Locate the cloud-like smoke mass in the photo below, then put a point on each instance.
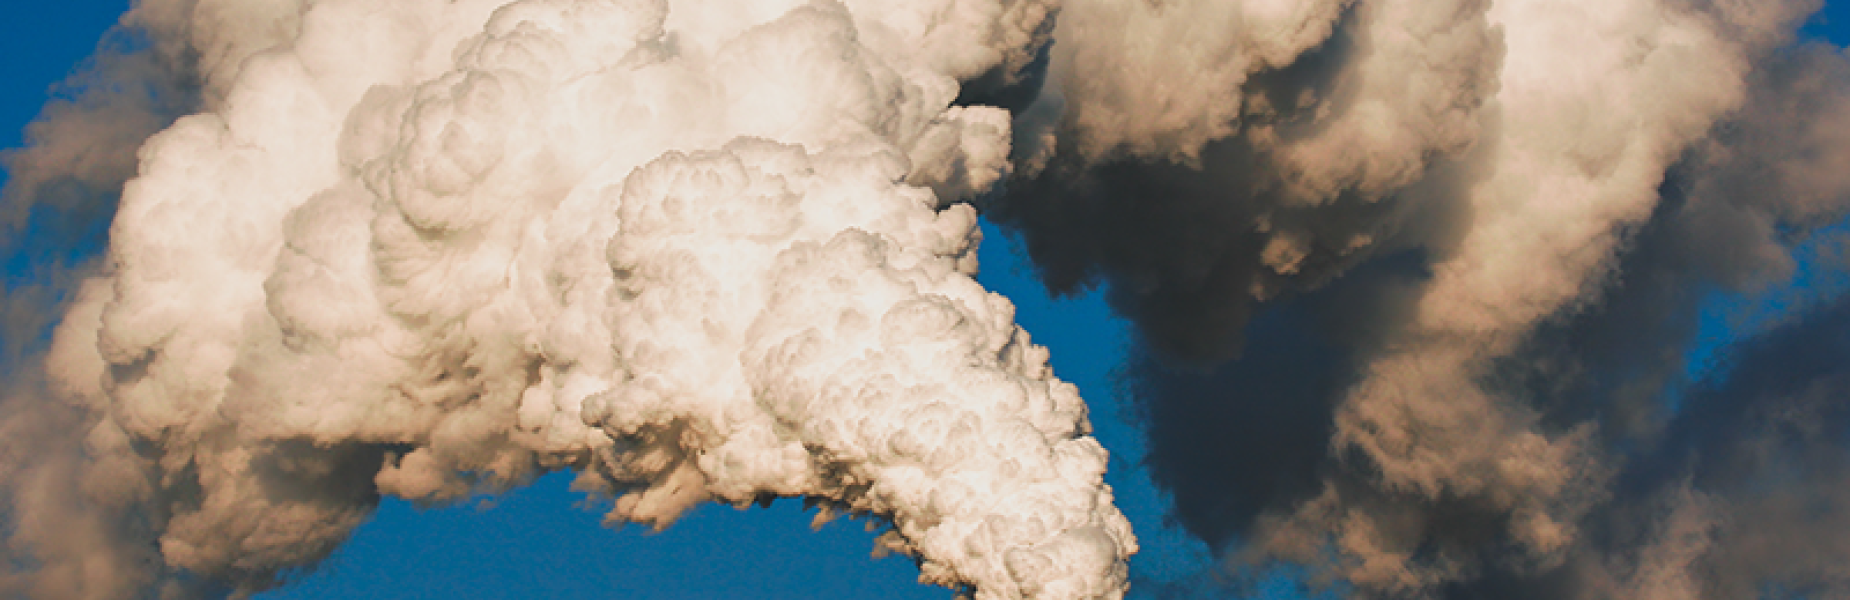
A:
(707, 251)
(1417, 281)
(1417, 284)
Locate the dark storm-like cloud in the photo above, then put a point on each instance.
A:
(1728, 486)
(1471, 421)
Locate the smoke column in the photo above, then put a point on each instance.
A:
(695, 252)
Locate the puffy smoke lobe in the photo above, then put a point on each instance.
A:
(696, 251)
(1477, 237)
(1262, 153)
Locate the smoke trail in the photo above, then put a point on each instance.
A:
(62, 187)
(700, 252)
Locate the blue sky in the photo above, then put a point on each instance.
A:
(545, 541)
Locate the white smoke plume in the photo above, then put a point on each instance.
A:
(696, 251)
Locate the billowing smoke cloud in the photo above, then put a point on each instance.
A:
(1417, 284)
(1747, 455)
(699, 251)
(1477, 238)
(1259, 154)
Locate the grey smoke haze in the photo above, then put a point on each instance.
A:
(1452, 353)
(1414, 282)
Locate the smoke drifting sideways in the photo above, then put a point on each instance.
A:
(1417, 283)
(707, 251)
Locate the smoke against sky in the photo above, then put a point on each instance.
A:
(559, 235)
(1424, 294)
